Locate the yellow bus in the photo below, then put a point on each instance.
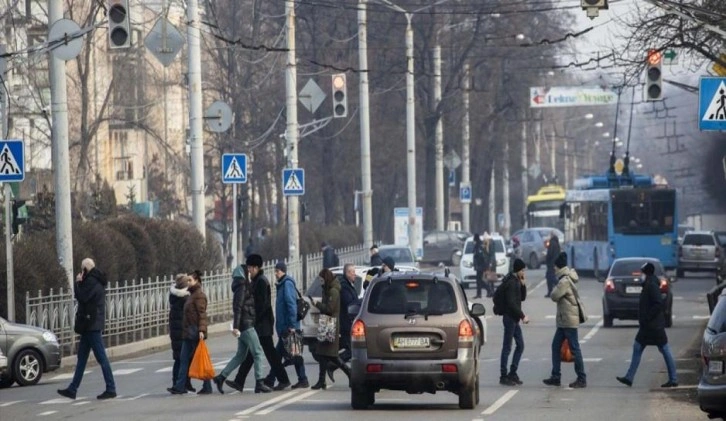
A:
(543, 208)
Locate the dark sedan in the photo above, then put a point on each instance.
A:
(621, 292)
(712, 387)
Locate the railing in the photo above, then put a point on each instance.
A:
(139, 309)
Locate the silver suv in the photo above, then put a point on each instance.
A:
(700, 251)
(415, 333)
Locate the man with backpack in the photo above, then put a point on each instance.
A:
(508, 304)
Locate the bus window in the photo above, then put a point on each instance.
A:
(588, 221)
(643, 211)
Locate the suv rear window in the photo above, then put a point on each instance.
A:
(717, 322)
(698, 240)
(498, 246)
(402, 254)
(402, 296)
(631, 268)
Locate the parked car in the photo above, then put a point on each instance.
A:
(712, 386)
(402, 255)
(3, 363)
(442, 246)
(467, 272)
(700, 251)
(621, 290)
(532, 244)
(416, 333)
(30, 352)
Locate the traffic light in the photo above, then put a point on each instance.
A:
(340, 96)
(593, 7)
(654, 76)
(19, 216)
(119, 32)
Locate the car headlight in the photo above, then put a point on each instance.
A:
(466, 263)
(49, 337)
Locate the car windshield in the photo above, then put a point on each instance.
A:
(411, 296)
(717, 322)
(399, 254)
(498, 246)
(632, 268)
(698, 240)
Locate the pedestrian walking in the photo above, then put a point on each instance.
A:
(568, 320)
(264, 326)
(376, 259)
(330, 258)
(243, 328)
(514, 291)
(327, 352)
(348, 297)
(287, 322)
(194, 325)
(90, 292)
(553, 250)
(651, 321)
(177, 297)
(480, 264)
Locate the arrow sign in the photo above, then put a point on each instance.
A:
(670, 57)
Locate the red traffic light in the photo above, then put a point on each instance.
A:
(655, 57)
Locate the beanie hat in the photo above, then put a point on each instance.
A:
(254, 260)
(648, 268)
(388, 261)
(561, 260)
(281, 266)
(518, 265)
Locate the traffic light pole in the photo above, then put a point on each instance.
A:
(291, 132)
(365, 131)
(195, 117)
(5, 108)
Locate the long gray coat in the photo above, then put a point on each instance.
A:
(330, 305)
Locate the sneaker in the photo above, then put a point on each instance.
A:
(106, 395)
(669, 384)
(302, 384)
(515, 378)
(578, 384)
(552, 381)
(281, 386)
(219, 381)
(506, 381)
(67, 393)
(234, 385)
(625, 381)
(174, 391)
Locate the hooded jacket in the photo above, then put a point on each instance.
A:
(286, 306)
(568, 315)
(330, 305)
(651, 314)
(243, 304)
(514, 293)
(177, 298)
(195, 313)
(264, 318)
(91, 296)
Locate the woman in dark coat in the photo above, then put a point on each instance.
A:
(327, 352)
(651, 319)
(177, 296)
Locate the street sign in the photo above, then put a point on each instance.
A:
(465, 192)
(567, 96)
(670, 57)
(218, 117)
(293, 182)
(234, 168)
(164, 41)
(712, 104)
(452, 160)
(12, 160)
(64, 40)
(534, 170)
(311, 96)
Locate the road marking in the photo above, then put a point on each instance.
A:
(542, 282)
(695, 317)
(81, 403)
(165, 370)
(499, 402)
(592, 332)
(46, 413)
(288, 402)
(2, 405)
(550, 316)
(125, 371)
(267, 402)
(592, 360)
(68, 376)
(134, 398)
(57, 401)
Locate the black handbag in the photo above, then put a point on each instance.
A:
(302, 306)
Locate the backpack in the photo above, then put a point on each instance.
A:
(500, 299)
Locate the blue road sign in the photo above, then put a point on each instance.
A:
(465, 192)
(293, 182)
(712, 104)
(12, 160)
(234, 168)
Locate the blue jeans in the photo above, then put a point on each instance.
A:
(92, 341)
(551, 280)
(571, 334)
(512, 330)
(187, 353)
(667, 356)
(248, 341)
(299, 364)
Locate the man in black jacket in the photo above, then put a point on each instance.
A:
(90, 292)
(264, 325)
(553, 250)
(515, 291)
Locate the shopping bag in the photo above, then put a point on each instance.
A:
(201, 367)
(565, 352)
(293, 343)
(327, 328)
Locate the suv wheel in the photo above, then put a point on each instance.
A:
(467, 396)
(533, 262)
(360, 397)
(27, 367)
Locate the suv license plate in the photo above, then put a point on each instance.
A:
(715, 367)
(633, 290)
(407, 342)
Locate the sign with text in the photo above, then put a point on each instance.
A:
(564, 96)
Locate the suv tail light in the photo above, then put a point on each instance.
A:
(609, 285)
(466, 332)
(663, 285)
(358, 331)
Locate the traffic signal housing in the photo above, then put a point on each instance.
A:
(654, 76)
(593, 7)
(19, 215)
(119, 29)
(340, 96)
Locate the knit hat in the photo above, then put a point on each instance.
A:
(254, 260)
(648, 268)
(281, 266)
(561, 260)
(388, 261)
(518, 265)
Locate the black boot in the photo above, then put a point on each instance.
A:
(261, 387)
(321, 377)
(219, 381)
(344, 368)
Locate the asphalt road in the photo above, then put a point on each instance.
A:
(142, 381)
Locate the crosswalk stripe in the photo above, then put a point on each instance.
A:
(9, 403)
(46, 413)
(267, 402)
(125, 371)
(287, 402)
(165, 370)
(68, 376)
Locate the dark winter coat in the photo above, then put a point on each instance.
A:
(195, 313)
(480, 258)
(177, 298)
(552, 252)
(348, 296)
(376, 260)
(330, 305)
(264, 318)
(243, 304)
(514, 293)
(651, 314)
(90, 293)
(330, 259)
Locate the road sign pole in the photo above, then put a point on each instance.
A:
(196, 117)
(291, 132)
(465, 153)
(234, 226)
(365, 132)
(5, 108)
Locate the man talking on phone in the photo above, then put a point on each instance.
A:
(514, 290)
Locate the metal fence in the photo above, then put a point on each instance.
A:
(139, 309)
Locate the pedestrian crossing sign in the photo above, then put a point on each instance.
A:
(712, 104)
(12, 160)
(293, 182)
(234, 168)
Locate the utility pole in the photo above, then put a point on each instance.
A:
(505, 192)
(291, 132)
(567, 161)
(553, 150)
(439, 141)
(493, 199)
(411, 138)
(465, 154)
(195, 117)
(59, 153)
(365, 131)
(5, 111)
(525, 178)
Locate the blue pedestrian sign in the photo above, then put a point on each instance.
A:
(293, 182)
(712, 104)
(12, 160)
(465, 192)
(234, 168)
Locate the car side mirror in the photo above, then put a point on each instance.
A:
(353, 309)
(478, 310)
